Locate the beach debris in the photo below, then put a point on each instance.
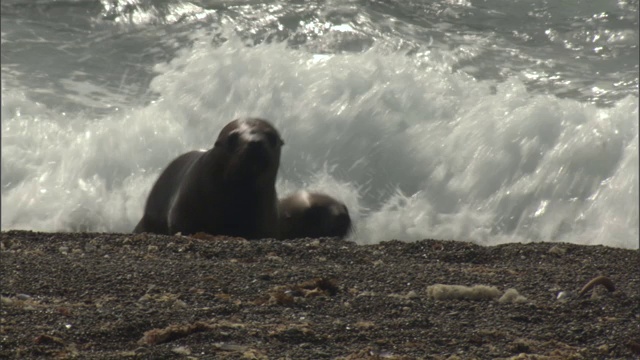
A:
(286, 294)
(294, 333)
(477, 292)
(221, 346)
(461, 292)
(172, 332)
(23, 297)
(49, 340)
(4, 301)
(371, 353)
(557, 250)
(600, 280)
(408, 296)
(90, 247)
(181, 350)
(565, 295)
(364, 325)
(512, 296)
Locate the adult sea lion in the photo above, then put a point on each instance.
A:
(227, 190)
(311, 214)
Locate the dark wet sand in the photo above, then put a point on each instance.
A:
(115, 296)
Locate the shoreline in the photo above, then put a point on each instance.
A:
(105, 295)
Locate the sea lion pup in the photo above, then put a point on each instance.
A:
(227, 190)
(311, 214)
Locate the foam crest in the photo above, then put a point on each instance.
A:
(67, 172)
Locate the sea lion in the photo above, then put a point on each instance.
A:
(311, 214)
(227, 190)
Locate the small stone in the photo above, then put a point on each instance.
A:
(23, 297)
(179, 304)
(64, 249)
(364, 324)
(512, 296)
(557, 250)
(605, 349)
(181, 350)
(5, 301)
(230, 347)
(565, 295)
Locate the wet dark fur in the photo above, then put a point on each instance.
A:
(322, 216)
(227, 190)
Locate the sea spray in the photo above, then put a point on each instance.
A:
(414, 149)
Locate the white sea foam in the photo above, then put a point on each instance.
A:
(414, 150)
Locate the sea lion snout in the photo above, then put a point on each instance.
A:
(257, 155)
(257, 147)
(253, 149)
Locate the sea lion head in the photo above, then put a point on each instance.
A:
(332, 216)
(314, 215)
(251, 147)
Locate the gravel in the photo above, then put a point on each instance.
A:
(143, 296)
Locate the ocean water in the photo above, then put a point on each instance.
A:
(488, 121)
